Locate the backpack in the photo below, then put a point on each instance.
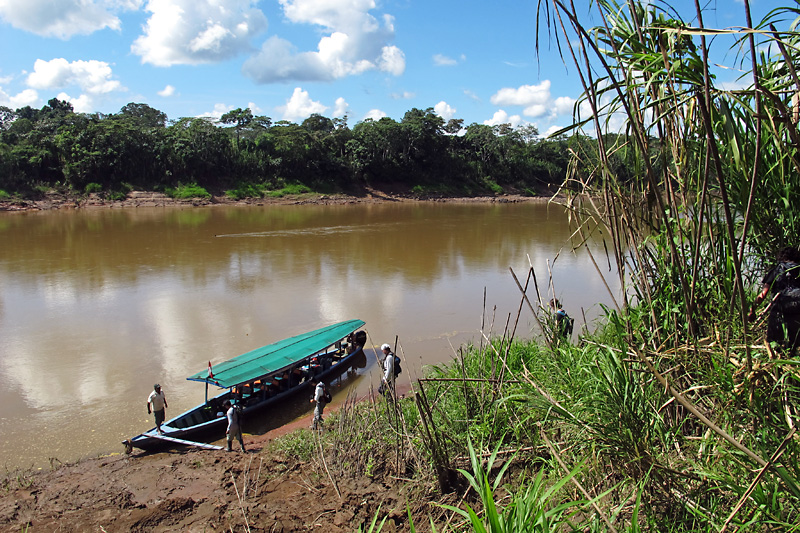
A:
(397, 368)
(326, 397)
(564, 323)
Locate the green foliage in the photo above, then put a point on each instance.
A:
(93, 188)
(297, 444)
(537, 509)
(185, 192)
(4, 195)
(116, 196)
(289, 190)
(246, 190)
(492, 186)
(138, 145)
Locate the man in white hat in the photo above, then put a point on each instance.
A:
(387, 385)
(158, 400)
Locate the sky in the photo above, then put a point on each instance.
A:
(286, 59)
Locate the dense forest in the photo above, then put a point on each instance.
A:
(245, 155)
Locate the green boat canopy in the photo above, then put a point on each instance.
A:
(276, 356)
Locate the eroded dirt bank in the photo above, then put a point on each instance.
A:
(195, 490)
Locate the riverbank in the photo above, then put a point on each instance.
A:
(192, 489)
(57, 200)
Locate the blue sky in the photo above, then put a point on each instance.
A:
(286, 59)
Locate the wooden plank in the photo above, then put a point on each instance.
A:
(185, 442)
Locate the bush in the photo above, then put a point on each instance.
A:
(246, 190)
(292, 188)
(93, 187)
(186, 192)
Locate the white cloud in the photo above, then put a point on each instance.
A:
(341, 107)
(551, 130)
(254, 109)
(219, 110)
(501, 117)
(443, 61)
(536, 110)
(192, 32)
(392, 60)
(300, 106)
(63, 18)
(405, 95)
(167, 91)
(91, 76)
(525, 95)
(353, 42)
(27, 97)
(471, 95)
(536, 100)
(444, 110)
(81, 104)
(564, 105)
(374, 114)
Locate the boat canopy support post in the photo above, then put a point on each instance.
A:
(206, 392)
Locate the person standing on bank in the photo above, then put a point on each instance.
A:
(387, 385)
(234, 430)
(564, 322)
(321, 397)
(783, 281)
(158, 401)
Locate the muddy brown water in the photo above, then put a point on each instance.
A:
(98, 305)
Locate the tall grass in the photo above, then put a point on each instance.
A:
(674, 415)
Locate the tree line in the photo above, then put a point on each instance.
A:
(246, 154)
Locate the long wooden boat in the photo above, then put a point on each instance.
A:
(260, 379)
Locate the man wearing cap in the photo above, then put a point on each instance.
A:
(234, 431)
(321, 398)
(387, 385)
(159, 402)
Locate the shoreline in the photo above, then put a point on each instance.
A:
(192, 489)
(135, 199)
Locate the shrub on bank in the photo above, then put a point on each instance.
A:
(187, 192)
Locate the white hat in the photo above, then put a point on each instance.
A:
(385, 347)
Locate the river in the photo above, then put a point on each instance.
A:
(97, 305)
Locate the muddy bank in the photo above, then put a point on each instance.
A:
(191, 489)
(56, 200)
(195, 490)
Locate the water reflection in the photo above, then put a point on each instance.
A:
(95, 306)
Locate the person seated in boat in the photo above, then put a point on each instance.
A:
(245, 390)
(327, 361)
(296, 377)
(360, 338)
(284, 380)
(215, 406)
(260, 389)
(315, 367)
(274, 388)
